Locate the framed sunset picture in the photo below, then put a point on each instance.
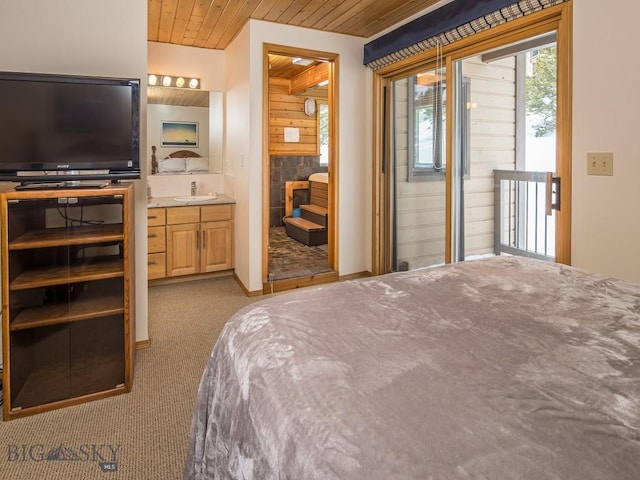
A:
(179, 134)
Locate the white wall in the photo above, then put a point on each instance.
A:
(354, 189)
(85, 37)
(236, 166)
(606, 221)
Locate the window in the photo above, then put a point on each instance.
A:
(426, 126)
(427, 120)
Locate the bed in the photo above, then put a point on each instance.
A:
(498, 368)
(182, 161)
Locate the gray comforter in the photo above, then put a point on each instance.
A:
(493, 369)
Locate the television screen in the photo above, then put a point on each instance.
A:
(65, 126)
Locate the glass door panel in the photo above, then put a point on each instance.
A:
(418, 161)
(504, 145)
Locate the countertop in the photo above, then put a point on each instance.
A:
(156, 202)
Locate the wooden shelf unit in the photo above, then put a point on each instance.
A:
(68, 328)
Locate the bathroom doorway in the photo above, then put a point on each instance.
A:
(300, 168)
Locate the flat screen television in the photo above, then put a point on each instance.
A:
(63, 128)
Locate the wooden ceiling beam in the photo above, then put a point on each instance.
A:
(309, 78)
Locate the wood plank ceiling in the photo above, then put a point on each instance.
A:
(214, 23)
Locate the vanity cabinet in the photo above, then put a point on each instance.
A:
(197, 239)
(156, 243)
(68, 300)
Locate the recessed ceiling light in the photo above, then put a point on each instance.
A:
(301, 61)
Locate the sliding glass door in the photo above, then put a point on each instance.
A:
(418, 104)
(473, 167)
(505, 151)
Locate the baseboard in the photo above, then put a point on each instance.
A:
(299, 282)
(142, 344)
(355, 276)
(189, 278)
(246, 291)
(293, 283)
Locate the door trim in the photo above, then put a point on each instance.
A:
(333, 168)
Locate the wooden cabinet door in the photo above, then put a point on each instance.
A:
(156, 242)
(156, 266)
(183, 249)
(176, 215)
(215, 213)
(217, 251)
(156, 216)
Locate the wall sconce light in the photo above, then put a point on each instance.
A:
(171, 81)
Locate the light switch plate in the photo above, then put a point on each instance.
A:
(600, 163)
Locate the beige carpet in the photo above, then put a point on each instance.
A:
(144, 431)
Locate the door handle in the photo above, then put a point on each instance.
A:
(552, 198)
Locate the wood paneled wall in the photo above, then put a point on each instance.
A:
(286, 110)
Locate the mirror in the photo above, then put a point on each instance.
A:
(195, 116)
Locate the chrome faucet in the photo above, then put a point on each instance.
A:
(193, 189)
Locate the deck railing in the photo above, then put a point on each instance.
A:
(521, 224)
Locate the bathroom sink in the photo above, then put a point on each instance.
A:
(195, 198)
